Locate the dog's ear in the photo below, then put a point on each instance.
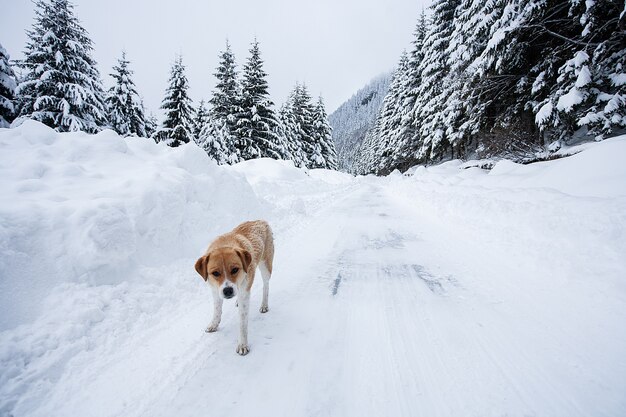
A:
(245, 257)
(201, 266)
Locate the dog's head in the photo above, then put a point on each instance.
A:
(224, 268)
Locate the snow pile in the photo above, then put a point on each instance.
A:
(91, 209)
(593, 170)
(266, 170)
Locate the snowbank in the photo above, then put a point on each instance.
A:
(267, 170)
(597, 170)
(92, 208)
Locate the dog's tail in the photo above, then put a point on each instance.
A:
(269, 246)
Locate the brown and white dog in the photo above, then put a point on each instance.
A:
(229, 265)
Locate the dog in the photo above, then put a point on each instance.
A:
(229, 265)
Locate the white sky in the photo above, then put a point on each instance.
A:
(334, 46)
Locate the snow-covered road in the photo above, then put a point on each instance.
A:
(378, 310)
(449, 293)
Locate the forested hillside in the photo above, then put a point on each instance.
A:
(502, 78)
(354, 118)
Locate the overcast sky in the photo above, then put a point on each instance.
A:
(334, 46)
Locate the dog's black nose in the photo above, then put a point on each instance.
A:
(228, 292)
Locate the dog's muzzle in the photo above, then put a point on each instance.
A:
(228, 292)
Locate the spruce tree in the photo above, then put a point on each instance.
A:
(152, 124)
(302, 108)
(7, 89)
(256, 122)
(62, 87)
(592, 83)
(177, 127)
(434, 71)
(465, 113)
(323, 134)
(288, 130)
(366, 160)
(225, 100)
(200, 120)
(216, 140)
(126, 112)
(384, 140)
(406, 138)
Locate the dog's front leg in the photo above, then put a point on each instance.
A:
(243, 299)
(217, 311)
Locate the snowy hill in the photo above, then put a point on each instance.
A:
(352, 120)
(452, 291)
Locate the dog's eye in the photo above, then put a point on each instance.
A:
(215, 274)
(234, 271)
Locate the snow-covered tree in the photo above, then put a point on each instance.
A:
(177, 128)
(225, 99)
(303, 123)
(434, 73)
(61, 87)
(152, 124)
(380, 145)
(323, 135)
(405, 141)
(216, 140)
(126, 111)
(200, 120)
(7, 89)
(288, 130)
(590, 90)
(256, 121)
(366, 160)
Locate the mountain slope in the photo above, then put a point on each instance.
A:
(352, 120)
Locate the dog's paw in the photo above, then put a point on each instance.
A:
(212, 328)
(264, 309)
(243, 349)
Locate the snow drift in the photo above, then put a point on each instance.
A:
(91, 208)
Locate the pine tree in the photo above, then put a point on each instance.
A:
(200, 120)
(152, 124)
(384, 140)
(434, 73)
(598, 79)
(302, 108)
(288, 130)
(406, 138)
(62, 87)
(177, 127)
(216, 140)
(256, 122)
(126, 112)
(7, 89)
(363, 159)
(225, 101)
(323, 134)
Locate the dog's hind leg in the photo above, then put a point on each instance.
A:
(266, 266)
(266, 274)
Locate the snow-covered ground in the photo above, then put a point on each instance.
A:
(451, 292)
